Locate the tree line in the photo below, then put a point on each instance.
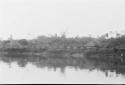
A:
(62, 42)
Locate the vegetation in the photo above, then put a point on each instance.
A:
(62, 42)
(61, 51)
(102, 44)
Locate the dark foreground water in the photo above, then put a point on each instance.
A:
(36, 69)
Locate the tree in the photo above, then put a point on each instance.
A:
(23, 42)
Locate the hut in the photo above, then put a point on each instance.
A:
(90, 45)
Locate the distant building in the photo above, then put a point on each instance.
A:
(90, 45)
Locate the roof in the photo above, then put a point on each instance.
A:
(90, 44)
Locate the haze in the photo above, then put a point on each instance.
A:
(31, 18)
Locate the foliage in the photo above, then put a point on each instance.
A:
(63, 42)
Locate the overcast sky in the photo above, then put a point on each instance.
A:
(30, 18)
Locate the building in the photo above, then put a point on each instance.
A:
(90, 45)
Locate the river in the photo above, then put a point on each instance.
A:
(12, 73)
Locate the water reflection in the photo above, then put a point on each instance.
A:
(32, 74)
(60, 66)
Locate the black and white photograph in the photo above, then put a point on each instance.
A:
(62, 42)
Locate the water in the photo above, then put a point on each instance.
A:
(20, 68)
(13, 73)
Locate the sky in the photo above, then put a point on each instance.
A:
(31, 18)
